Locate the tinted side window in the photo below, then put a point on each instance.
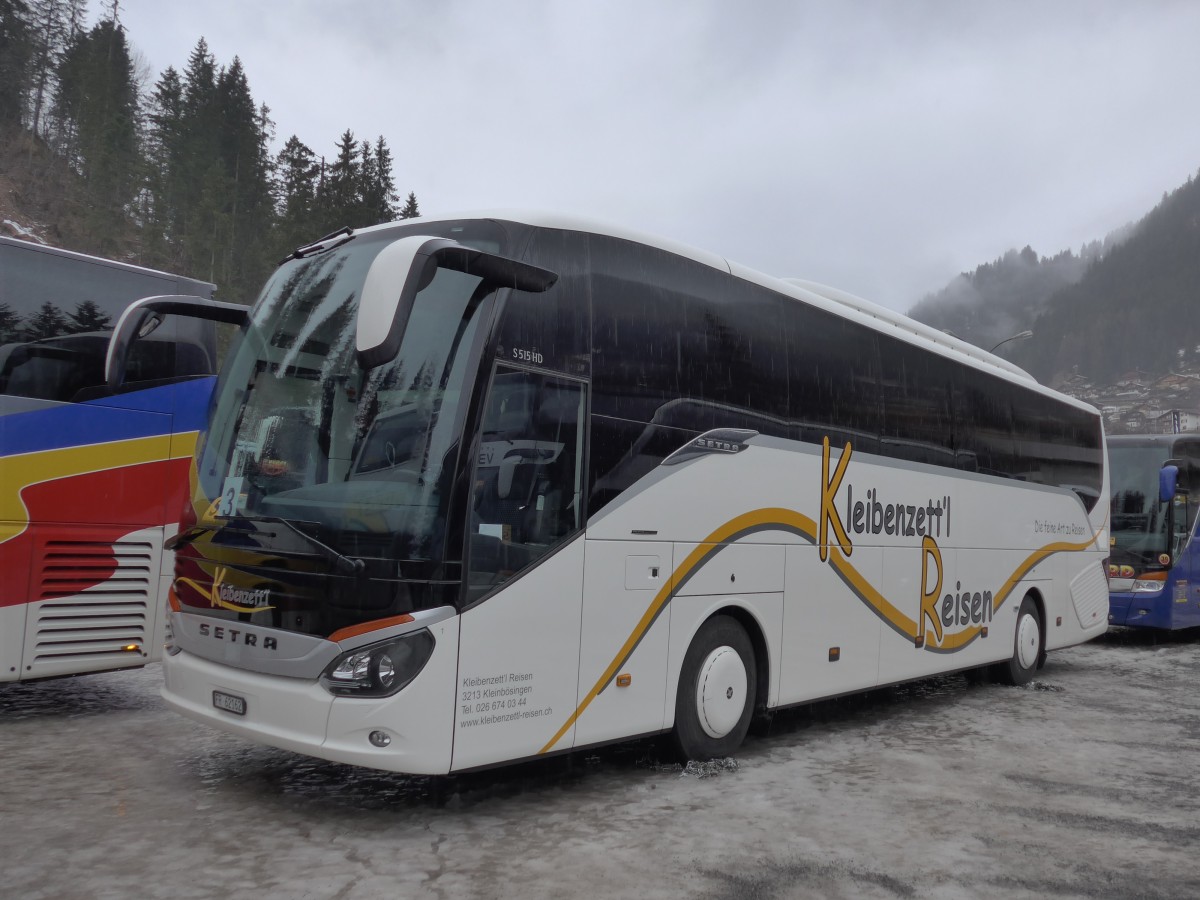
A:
(915, 387)
(734, 356)
(550, 329)
(70, 367)
(53, 368)
(984, 416)
(622, 451)
(680, 343)
(834, 377)
(1057, 444)
(637, 325)
(1012, 432)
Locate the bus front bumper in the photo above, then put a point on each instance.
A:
(1141, 609)
(299, 715)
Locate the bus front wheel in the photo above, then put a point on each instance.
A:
(716, 691)
(1027, 647)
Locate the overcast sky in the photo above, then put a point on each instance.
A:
(880, 147)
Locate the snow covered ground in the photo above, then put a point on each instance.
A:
(1084, 784)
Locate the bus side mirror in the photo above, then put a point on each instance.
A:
(142, 316)
(406, 267)
(1168, 479)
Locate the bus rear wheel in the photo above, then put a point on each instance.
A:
(1027, 646)
(717, 686)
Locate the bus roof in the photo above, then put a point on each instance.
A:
(845, 304)
(99, 260)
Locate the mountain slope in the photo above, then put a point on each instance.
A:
(1129, 302)
(1135, 308)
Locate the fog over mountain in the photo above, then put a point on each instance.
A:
(1123, 302)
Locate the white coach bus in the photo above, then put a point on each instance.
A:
(483, 489)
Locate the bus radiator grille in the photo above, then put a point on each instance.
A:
(90, 627)
(93, 600)
(73, 567)
(1089, 594)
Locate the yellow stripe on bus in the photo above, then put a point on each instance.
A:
(796, 523)
(24, 470)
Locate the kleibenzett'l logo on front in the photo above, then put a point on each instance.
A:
(223, 595)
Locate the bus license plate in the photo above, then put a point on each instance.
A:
(229, 703)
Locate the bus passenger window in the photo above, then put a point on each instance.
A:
(528, 480)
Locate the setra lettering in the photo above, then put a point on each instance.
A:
(237, 636)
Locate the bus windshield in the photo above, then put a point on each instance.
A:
(1139, 521)
(360, 458)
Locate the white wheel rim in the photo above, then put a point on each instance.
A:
(721, 691)
(1028, 641)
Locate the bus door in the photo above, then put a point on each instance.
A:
(1184, 579)
(520, 633)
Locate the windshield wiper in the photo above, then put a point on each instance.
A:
(344, 563)
(191, 533)
(346, 233)
(185, 537)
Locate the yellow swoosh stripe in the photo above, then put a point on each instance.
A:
(24, 470)
(957, 641)
(796, 523)
(784, 519)
(867, 593)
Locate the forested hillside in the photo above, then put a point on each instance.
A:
(1003, 297)
(1126, 303)
(177, 171)
(1137, 308)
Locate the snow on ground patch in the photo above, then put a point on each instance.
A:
(21, 231)
(709, 769)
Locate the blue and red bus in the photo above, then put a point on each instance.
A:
(1154, 565)
(92, 475)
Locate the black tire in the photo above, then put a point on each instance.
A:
(717, 688)
(1027, 647)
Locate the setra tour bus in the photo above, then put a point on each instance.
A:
(92, 475)
(493, 487)
(1154, 562)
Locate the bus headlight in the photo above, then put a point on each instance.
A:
(379, 670)
(1147, 586)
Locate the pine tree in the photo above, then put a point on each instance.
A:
(338, 203)
(96, 102)
(410, 210)
(259, 207)
(381, 201)
(54, 23)
(162, 199)
(197, 175)
(16, 53)
(245, 167)
(10, 324)
(199, 105)
(297, 171)
(48, 322)
(88, 316)
(367, 199)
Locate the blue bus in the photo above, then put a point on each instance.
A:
(93, 474)
(1154, 563)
